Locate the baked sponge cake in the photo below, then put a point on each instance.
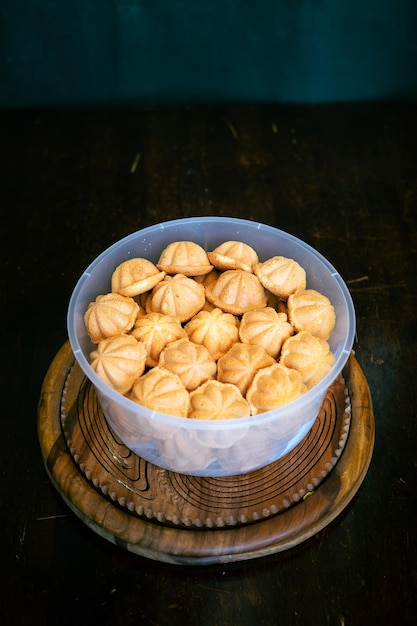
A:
(311, 310)
(309, 355)
(240, 364)
(274, 386)
(214, 400)
(192, 362)
(119, 361)
(265, 327)
(178, 296)
(233, 255)
(215, 330)
(135, 276)
(237, 291)
(184, 257)
(163, 391)
(156, 331)
(281, 276)
(109, 315)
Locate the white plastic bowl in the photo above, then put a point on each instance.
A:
(220, 447)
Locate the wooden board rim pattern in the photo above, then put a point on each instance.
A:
(196, 546)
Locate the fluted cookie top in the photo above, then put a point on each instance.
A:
(179, 296)
(281, 275)
(237, 291)
(135, 276)
(274, 386)
(156, 331)
(240, 364)
(119, 361)
(191, 361)
(184, 257)
(163, 391)
(110, 314)
(265, 327)
(308, 354)
(233, 255)
(215, 400)
(311, 310)
(215, 330)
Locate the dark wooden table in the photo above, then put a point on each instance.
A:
(344, 179)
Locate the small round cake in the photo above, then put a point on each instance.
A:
(135, 276)
(179, 296)
(273, 387)
(156, 331)
(266, 328)
(163, 391)
(240, 364)
(119, 361)
(184, 257)
(233, 255)
(214, 400)
(215, 330)
(236, 292)
(191, 361)
(281, 276)
(309, 355)
(109, 315)
(312, 311)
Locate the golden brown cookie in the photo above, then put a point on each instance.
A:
(163, 391)
(109, 315)
(266, 328)
(273, 387)
(233, 255)
(134, 277)
(184, 257)
(191, 361)
(215, 330)
(119, 361)
(214, 400)
(281, 276)
(179, 296)
(312, 311)
(156, 331)
(236, 292)
(240, 364)
(309, 355)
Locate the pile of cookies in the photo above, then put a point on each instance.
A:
(211, 334)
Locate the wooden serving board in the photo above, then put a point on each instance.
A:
(176, 518)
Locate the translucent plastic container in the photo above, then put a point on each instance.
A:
(219, 447)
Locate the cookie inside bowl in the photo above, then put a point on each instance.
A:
(223, 446)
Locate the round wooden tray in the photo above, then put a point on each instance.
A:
(182, 519)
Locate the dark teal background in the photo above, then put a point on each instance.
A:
(60, 52)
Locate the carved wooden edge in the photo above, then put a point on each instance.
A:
(74, 382)
(168, 544)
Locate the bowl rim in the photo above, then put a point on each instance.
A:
(297, 405)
